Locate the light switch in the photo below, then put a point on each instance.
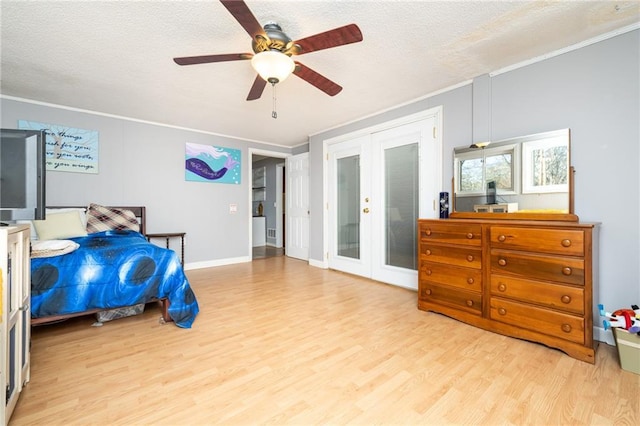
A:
(233, 208)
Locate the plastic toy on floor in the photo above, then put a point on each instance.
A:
(628, 319)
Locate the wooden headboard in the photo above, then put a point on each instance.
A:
(140, 212)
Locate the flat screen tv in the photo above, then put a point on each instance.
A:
(22, 175)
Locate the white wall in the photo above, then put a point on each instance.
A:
(594, 91)
(143, 164)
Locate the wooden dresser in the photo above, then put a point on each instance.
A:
(528, 279)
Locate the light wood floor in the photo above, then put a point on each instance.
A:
(262, 252)
(280, 342)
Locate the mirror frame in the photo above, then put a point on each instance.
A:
(564, 217)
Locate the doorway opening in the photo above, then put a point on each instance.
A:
(266, 203)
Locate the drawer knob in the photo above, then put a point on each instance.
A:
(469, 303)
(428, 291)
(566, 270)
(428, 272)
(470, 258)
(428, 252)
(502, 287)
(428, 232)
(470, 236)
(502, 262)
(566, 328)
(502, 238)
(502, 311)
(566, 299)
(566, 243)
(470, 280)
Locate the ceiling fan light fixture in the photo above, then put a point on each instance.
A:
(272, 65)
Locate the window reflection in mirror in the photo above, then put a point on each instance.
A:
(545, 165)
(476, 168)
(529, 173)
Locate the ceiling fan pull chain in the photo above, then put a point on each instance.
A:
(274, 114)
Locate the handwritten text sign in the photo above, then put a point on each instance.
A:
(68, 149)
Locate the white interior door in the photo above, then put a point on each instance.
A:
(396, 199)
(280, 204)
(379, 185)
(297, 205)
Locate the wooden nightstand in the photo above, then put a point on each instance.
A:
(167, 237)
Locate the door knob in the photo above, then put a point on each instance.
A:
(365, 210)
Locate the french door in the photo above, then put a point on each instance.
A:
(379, 184)
(350, 206)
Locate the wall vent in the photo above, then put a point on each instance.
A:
(271, 233)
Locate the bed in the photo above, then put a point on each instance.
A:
(106, 266)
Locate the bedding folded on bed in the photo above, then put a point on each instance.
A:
(50, 248)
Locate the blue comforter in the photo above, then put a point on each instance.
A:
(110, 270)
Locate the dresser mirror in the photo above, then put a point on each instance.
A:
(528, 177)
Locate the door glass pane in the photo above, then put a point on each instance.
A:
(348, 208)
(401, 205)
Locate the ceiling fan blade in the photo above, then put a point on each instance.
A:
(332, 38)
(192, 60)
(256, 89)
(244, 16)
(317, 80)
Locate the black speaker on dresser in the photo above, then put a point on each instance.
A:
(491, 192)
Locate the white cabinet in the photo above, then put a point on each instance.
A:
(259, 231)
(15, 315)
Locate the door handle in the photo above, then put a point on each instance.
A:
(365, 210)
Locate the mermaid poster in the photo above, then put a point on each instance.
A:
(206, 163)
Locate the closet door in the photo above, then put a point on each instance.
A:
(297, 204)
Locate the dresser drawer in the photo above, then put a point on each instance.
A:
(468, 301)
(451, 233)
(557, 241)
(543, 321)
(451, 255)
(568, 270)
(561, 297)
(464, 278)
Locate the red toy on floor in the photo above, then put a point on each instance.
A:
(628, 319)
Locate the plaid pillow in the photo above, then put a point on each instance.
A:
(100, 218)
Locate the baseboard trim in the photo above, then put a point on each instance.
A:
(602, 335)
(318, 264)
(218, 262)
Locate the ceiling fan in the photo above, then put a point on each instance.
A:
(271, 46)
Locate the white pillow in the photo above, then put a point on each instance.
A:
(60, 225)
(49, 212)
(81, 210)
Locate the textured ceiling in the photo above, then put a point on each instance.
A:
(115, 57)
